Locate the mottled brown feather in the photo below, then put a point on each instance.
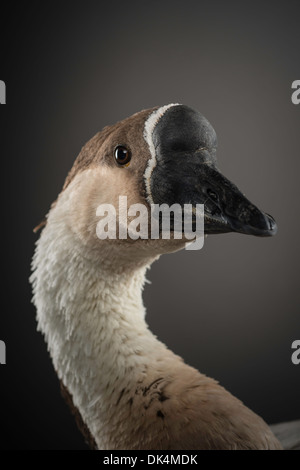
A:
(90, 441)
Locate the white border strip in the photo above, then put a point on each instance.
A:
(148, 131)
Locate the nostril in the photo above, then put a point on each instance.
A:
(213, 195)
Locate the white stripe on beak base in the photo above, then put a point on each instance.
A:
(148, 131)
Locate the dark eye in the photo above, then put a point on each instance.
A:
(122, 155)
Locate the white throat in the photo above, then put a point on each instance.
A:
(93, 322)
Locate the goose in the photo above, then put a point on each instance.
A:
(126, 389)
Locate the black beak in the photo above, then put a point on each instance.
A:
(186, 173)
(226, 209)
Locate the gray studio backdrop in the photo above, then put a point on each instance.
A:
(231, 309)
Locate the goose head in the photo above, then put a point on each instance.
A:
(164, 155)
